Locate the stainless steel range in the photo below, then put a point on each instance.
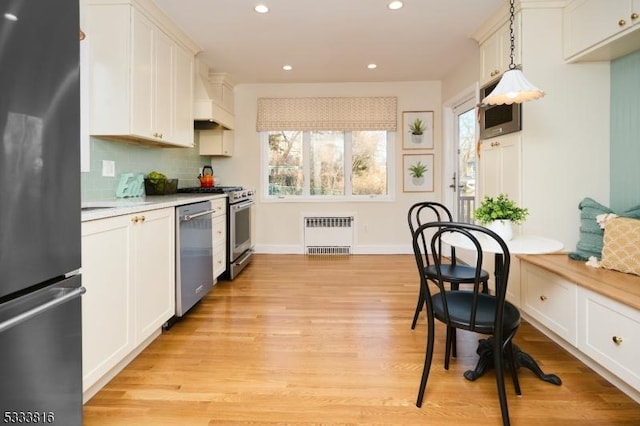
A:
(239, 225)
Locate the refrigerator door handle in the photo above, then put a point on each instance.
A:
(24, 316)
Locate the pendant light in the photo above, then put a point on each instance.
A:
(513, 86)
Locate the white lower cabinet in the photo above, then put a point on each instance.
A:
(602, 332)
(128, 268)
(219, 237)
(609, 333)
(551, 300)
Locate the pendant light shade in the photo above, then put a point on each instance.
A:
(512, 87)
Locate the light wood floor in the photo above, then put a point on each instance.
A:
(327, 340)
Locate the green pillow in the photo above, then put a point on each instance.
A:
(590, 242)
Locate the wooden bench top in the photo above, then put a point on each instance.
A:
(624, 288)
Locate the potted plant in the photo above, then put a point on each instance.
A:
(417, 129)
(499, 213)
(417, 171)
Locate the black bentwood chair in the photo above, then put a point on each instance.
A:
(469, 310)
(454, 273)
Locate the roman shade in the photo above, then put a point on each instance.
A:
(337, 113)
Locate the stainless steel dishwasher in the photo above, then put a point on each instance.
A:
(194, 254)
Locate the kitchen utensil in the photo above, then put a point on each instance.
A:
(206, 179)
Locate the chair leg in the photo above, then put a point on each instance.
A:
(512, 364)
(498, 361)
(419, 306)
(485, 287)
(454, 346)
(427, 360)
(451, 332)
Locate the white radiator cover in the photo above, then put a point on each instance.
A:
(328, 234)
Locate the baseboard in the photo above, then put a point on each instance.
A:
(358, 249)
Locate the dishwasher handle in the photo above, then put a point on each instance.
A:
(189, 217)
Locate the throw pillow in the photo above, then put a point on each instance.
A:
(621, 249)
(590, 242)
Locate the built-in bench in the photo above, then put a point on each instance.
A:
(624, 288)
(594, 313)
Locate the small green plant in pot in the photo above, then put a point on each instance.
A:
(498, 213)
(417, 128)
(417, 171)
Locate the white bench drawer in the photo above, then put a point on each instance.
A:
(551, 300)
(610, 334)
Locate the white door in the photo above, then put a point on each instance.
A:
(463, 179)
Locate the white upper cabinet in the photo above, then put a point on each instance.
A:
(141, 74)
(495, 52)
(600, 30)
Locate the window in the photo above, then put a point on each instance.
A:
(325, 165)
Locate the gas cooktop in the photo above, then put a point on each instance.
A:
(210, 189)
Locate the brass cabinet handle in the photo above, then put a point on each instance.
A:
(543, 298)
(494, 144)
(617, 340)
(622, 23)
(135, 219)
(634, 16)
(142, 218)
(83, 35)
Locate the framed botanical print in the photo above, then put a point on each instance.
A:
(417, 130)
(417, 172)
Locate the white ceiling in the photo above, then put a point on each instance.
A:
(331, 40)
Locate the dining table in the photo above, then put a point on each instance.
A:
(518, 244)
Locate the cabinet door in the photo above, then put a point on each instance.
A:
(163, 120)
(216, 142)
(107, 333)
(183, 111)
(219, 244)
(495, 52)
(142, 75)
(154, 270)
(589, 22)
(500, 168)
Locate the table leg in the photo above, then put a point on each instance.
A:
(522, 359)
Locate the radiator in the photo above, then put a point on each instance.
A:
(328, 235)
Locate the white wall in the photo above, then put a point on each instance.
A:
(565, 138)
(381, 227)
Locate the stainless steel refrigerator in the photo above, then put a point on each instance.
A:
(40, 287)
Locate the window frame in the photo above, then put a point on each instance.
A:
(306, 196)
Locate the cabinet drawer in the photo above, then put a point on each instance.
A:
(610, 334)
(550, 300)
(219, 226)
(219, 261)
(220, 207)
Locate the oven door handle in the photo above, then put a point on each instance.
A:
(242, 205)
(189, 217)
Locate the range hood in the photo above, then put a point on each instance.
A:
(213, 99)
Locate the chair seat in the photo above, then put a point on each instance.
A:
(456, 273)
(460, 303)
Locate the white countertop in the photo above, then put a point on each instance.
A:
(122, 206)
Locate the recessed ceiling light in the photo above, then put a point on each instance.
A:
(261, 8)
(287, 67)
(10, 17)
(372, 66)
(395, 5)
